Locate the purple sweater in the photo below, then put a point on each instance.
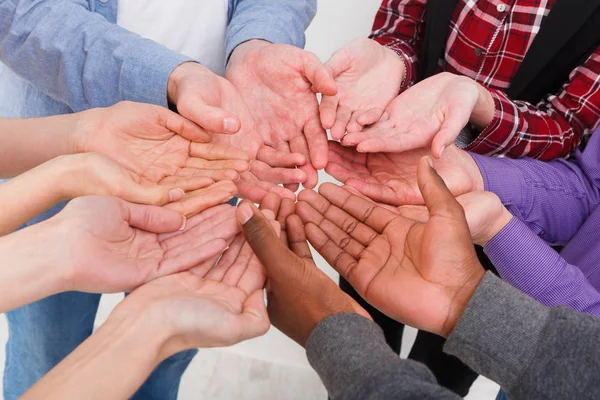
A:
(554, 203)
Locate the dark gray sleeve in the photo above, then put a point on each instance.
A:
(351, 356)
(533, 352)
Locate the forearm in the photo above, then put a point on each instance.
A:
(27, 143)
(529, 264)
(282, 22)
(533, 352)
(30, 270)
(112, 364)
(81, 59)
(553, 199)
(353, 360)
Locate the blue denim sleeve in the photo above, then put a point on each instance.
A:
(553, 199)
(280, 21)
(79, 58)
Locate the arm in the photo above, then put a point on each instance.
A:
(553, 199)
(400, 29)
(533, 352)
(550, 129)
(78, 57)
(282, 22)
(353, 360)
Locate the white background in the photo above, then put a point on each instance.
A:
(273, 367)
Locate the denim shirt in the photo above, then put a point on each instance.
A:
(60, 56)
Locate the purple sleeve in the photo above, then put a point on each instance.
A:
(552, 198)
(530, 265)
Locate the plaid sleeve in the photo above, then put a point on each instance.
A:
(551, 129)
(398, 26)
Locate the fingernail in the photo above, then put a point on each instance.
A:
(430, 162)
(230, 125)
(183, 224)
(244, 213)
(265, 297)
(176, 194)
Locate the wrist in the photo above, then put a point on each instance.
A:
(72, 172)
(496, 225)
(485, 109)
(243, 49)
(400, 63)
(86, 124)
(460, 298)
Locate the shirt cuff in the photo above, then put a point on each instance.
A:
(491, 141)
(146, 71)
(498, 333)
(504, 178)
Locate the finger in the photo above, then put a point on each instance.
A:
(199, 200)
(328, 111)
(152, 194)
(212, 119)
(438, 198)
(254, 320)
(317, 142)
(152, 219)
(227, 260)
(300, 145)
(342, 239)
(202, 164)
(187, 183)
(272, 202)
(340, 260)
(176, 260)
(267, 173)
(341, 122)
(297, 238)
(204, 267)
(366, 212)
(200, 218)
(375, 191)
(318, 74)
(369, 117)
(283, 157)
(416, 213)
(182, 126)
(214, 174)
(213, 151)
(272, 253)
(287, 208)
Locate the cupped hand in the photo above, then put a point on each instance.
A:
(190, 312)
(157, 144)
(420, 274)
(391, 178)
(299, 294)
(430, 114)
(114, 246)
(368, 76)
(279, 82)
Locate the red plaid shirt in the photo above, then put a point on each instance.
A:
(488, 41)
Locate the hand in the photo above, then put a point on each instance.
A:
(420, 274)
(432, 112)
(115, 246)
(368, 76)
(485, 213)
(299, 294)
(391, 178)
(212, 102)
(277, 81)
(189, 312)
(157, 144)
(88, 174)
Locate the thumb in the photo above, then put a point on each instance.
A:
(448, 133)
(263, 239)
(182, 126)
(212, 119)
(153, 219)
(154, 194)
(319, 75)
(254, 320)
(438, 198)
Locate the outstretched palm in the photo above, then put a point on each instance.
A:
(391, 178)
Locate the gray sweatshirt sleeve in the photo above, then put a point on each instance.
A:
(353, 360)
(533, 352)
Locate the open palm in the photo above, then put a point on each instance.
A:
(404, 268)
(391, 178)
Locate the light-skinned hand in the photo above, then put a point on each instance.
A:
(279, 83)
(368, 76)
(419, 274)
(430, 114)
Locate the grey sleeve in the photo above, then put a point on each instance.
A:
(353, 360)
(533, 352)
